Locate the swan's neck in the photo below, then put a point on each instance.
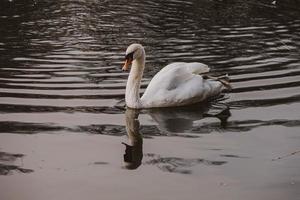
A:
(132, 96)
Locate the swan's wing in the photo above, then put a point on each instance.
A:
(193, 68)
(179, 84)
(196, 68)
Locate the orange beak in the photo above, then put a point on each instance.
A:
(126, 64)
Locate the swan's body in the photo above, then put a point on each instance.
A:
(177, 84)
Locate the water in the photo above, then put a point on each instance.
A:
(62, 95)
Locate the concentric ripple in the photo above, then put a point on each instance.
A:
(61, 60)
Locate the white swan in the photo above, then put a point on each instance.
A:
(177, 84)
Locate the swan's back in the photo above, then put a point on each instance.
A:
(180, 84)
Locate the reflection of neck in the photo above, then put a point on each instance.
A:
(134, 152)
(132, 96)
(133, 126)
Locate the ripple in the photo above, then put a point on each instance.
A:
(64, 59)
(57, 102)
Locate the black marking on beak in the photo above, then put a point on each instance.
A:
(129, 56)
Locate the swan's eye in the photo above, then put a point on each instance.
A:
(129, 56)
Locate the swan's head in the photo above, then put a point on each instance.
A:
(134, 51)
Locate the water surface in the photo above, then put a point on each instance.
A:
(62, 100)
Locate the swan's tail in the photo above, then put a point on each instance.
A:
(224, 79)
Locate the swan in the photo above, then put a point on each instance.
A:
(177, 84)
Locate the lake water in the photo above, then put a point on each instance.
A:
(63, 119)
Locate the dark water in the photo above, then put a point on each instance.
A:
(60, 71)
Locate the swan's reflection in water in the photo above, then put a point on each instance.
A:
(174, 120)
(181, 119)
(134, 151)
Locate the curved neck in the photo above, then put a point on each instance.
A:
(132, 95)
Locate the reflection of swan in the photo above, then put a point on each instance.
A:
(134, 152)
(176, 84)
(174, 120)
(181, 119)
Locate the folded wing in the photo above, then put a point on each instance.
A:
(180, 84)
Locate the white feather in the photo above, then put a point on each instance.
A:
(177, 84)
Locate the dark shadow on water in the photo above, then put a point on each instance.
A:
(264, 102)
(100, 163)
(11, 108)
(164, 127)
(27, 128)
(178, 165)
(244, 126)
(103, 129)
(6, 168)
(232, 156)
